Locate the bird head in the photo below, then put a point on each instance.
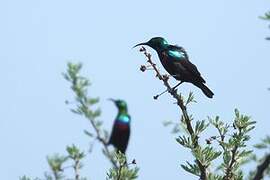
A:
(157, 43)
(120, 104)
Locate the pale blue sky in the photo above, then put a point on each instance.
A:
(225, 39)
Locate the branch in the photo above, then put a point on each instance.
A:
(262, 167)
(79, 86)
(123, 172)
(181, 105)
(76, 168)
(229, 170)
(102, 141)
(119, 172)
(229, 173)
(98, 135)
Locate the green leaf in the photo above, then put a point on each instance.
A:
(191, 168)
(200, 126)
(88, 133)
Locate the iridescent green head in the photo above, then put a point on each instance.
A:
(120, 104)
(157, 43)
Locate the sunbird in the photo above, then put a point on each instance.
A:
(121, 127)
(176, 62)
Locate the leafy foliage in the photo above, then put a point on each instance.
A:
(266, 16)
(56, 164)
(59, 163)
(232, 144)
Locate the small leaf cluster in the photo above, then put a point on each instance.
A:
(79, 86)
(231, 147)
(204, 155)
(124, 172)
(55, 163)
(59, 163)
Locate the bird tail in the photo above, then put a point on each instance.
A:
(205, 90)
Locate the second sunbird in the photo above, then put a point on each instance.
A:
(176, 62)
(121, 127)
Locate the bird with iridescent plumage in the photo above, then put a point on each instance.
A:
(176, 62)
(121, 127)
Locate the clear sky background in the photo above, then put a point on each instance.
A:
(224, 38)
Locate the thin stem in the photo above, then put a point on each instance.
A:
(119, 172)
(100, 138)
(56, 175)
(222, 137)
(79, 86)
(228, 173)
(76, 169)
(182, 107)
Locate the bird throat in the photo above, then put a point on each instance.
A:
(123, 118)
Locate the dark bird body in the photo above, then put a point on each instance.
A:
(176, 62)
(121, 128)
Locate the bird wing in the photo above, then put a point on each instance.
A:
(113, 134)
(185, 64)
(120, 135)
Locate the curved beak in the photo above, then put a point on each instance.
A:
(111, 99)
(140, 44)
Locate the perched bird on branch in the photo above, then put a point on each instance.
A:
(121, 128)
(176, 62)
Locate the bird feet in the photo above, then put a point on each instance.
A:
(172, 90)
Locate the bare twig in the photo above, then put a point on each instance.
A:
(262, 167)
(181, 105)
(76, 169)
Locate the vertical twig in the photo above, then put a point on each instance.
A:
(76, 169)
(119, 172)
(228, 173)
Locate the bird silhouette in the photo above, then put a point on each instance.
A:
(176, 62)
(121, 127)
